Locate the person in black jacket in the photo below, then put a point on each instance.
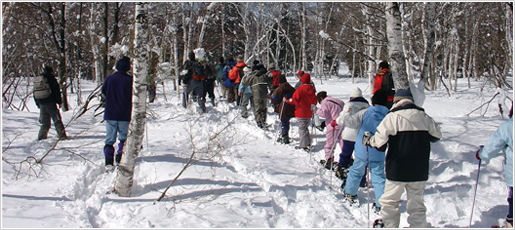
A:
(48, 108)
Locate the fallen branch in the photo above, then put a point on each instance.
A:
(481, 106)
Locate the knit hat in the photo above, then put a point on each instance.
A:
(202, 59)
(255, 62)
(191, 55)
(246, 69)
(380, 97)
(221, 60)
(402, 94)
(124, 64)
(356, 92)
(282, 79)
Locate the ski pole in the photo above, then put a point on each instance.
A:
(279, 118)
(475, 191)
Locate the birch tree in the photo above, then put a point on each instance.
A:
(395, 49)
(125, 175)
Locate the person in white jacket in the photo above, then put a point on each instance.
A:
(502, 141)
(355, 104)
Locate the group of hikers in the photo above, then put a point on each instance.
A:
(389, 137)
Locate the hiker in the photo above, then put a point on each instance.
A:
(47, 100)
(235, 76)
(304, 99)
(407, 132)
(259, 83)
(285, 110)
(219, 76)
(502, 141)
(229, 85)
(274, 74)
(209, 82)
(194, 83)
(330, 109)
(117, 90)
(299, 83)
(356, 103)
(384, 80)
(367, 120)
(246, 94)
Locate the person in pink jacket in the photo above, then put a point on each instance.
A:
(330, 109)
(304, 100)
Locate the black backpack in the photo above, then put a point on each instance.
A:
(199, 72)
(388, 84)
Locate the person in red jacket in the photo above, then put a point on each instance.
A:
(383, 79)
(304, 100)
(274, 74)
(235, 76)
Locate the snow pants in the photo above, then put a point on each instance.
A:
(358, 170)
(330, 136)
(47, 112)
(416, 209)
(196, 88)
(260, 110)
(285, 126)
(510, 205)
(245, 99)
(305, 139)
(346, 154)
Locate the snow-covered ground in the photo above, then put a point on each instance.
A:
(243, 178)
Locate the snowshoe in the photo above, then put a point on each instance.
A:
(307, 149)
(378, 223)
(376, 209)
(341, 172)
(352, 199)
(109, 168)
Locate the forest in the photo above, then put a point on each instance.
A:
(434, 43)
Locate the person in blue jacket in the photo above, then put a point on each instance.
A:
(246, 94)
(117, 90)
(367, 120)
(502, 140)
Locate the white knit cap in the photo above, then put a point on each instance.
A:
(356, 92)
(246, 69)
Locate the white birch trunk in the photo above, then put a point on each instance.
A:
(304, 59)
(371, 70)
(94, 46)
(125, 175)
(429, 38)
(395, 50)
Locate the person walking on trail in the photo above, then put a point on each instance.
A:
(286, 111)
(117, 90)
(235, 76)
(194, 83)
(274, 74)
(384, 80)
(246, 94)
(228, 83)
(356, 103)
(502, 142)
(209, 82)
(330, 109)
(299, 83)
(407, 131)
(219, 77)
(47, 103)
(259, 83)
(304, 100)
(367, 120)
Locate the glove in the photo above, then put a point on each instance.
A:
(313, 108)
(366, 139)
(477, 153)
(334, 124)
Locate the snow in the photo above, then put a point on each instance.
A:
(242, 178)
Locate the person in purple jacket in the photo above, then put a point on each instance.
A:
(117, 91)
(330, 109)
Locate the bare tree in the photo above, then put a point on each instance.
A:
(395, 50)
(124, 177)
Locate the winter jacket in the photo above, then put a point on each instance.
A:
(242, 89)
(55, 98)
(355, 105)
(366, 120)
(299, 83)
(227, 82)
(303, 98)
(378, 82)
(330, 109)
(188, 65)
(117, 89)
(408, 132)
(276, 75)
(285, 110)
(501, 140)
(258, 82)
(219, 72)
(239, 67)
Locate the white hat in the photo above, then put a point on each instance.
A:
(356, 92)
(246, 69)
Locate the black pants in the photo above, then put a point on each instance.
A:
(47, 112)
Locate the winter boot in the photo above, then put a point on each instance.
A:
(351, 198)
(109, 154)
(286, 139)
(341, 172)
(378, 223)
(376, 209)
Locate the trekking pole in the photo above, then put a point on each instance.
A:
(279, 118)
(475, 191)
(368, 182)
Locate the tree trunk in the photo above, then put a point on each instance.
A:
(395, 50)
(304, 59)
(125, 175)
(429, 37)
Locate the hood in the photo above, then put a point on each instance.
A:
(378, 112)
(408, 110)
(305, 79)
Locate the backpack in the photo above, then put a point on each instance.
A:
(41, 88)
(225, 71)
(199, 72)
(235, 73)
(388, 84)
